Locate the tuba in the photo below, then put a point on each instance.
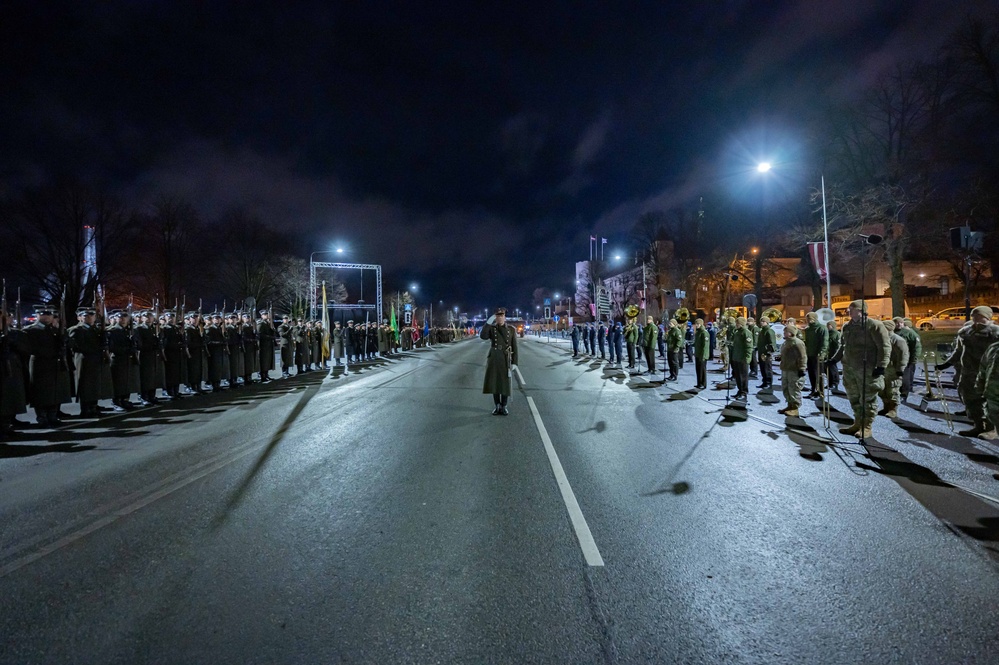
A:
(773, 315)
(682, 315)
(732, 313)
(825, 316)
(631, 311)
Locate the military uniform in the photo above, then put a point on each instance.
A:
(650, 338)
(631, 335)
(172, 343)
(602, 339)
(817, 346)
(338, 338)
(88, 353)
(702, 349)
(766, 346)
(286, 333)
(13, 388)
(674, 349)
(866, 353)
(973, 340)
(44, 343)
(266, 338)
(617, 343)
(835, 355)
(500, 361)
(574, 336)
(195, 338)
(148, 345)
(234, 350)
(740, 343)
(904, 329)
(793, 365)
(987, 382)
(121, 346)
(893, 372)
(216, 345)
(251, 348)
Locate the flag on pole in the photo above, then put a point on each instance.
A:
(393, 324)
(326, 327)
(426, 326)
(817, 251)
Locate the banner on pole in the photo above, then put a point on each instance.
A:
(817, 251)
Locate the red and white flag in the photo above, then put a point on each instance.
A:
(817, 250)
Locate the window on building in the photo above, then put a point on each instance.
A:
(944, 286)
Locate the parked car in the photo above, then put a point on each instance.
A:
(951, 318)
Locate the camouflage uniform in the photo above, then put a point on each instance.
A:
(793, 364)
(973, 340)
(893, 372)
(866, 353)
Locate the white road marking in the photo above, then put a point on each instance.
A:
(583, 535)
(520, 378)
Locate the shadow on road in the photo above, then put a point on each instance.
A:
(13, 450)
(237, 494)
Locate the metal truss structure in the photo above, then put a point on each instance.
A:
(314, 286)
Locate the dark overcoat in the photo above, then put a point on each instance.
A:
(501, 358)
(85, 343)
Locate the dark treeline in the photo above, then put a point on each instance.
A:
(163, 252)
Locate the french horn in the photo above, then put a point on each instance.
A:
(773, 315)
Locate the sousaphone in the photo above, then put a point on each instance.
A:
(631, 311)
(773, 315)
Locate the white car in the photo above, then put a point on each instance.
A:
(951, 318)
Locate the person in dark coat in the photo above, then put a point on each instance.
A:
(286, 332)
(44, 343)
(85, 344)
(148, 345)
(266, 338)
(592, 331)
(123, 359)
(251, 347)
(172, 343)
(501, 361)
(574, 336)
(617, 339)
(702, 347)
(234, 348)
(338, 338)
(602, 339)
(195, 352)
(349, 340)
(215, 342)
(13, 393)
(372, 339)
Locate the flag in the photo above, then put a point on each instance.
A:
(593, 238)
(426, 326)
(326, 327)
(817, 250)
(393, 324)
(603, 241)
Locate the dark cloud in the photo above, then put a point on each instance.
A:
(474, 148)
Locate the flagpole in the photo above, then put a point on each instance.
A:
(825, 233)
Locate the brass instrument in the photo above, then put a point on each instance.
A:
(773, 315)
(632, 311)
(732, 313)
(682, 315)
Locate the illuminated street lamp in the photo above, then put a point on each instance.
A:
(763, 167)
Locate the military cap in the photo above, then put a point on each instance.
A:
(983, 310)
(350, 322)
(86, 311)
(908, 321)
(190, 315)
(232, 315)
(859, 304)
(889, 325)
(168, 312)
(264, 311)
(44, 310)
(500, 310)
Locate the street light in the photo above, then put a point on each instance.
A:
(764, 167)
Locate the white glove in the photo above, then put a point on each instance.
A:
(491, 320)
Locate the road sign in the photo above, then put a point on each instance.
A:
(548, 301)
(408, 307)
(555, 318)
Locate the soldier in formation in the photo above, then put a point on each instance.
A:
(702, 349)
(766, 341)
(866, 354)
(740, 345)
(973, 339)
(793, 365)
(817, 346)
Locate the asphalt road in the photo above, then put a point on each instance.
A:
(387, 517)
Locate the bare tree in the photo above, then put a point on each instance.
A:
(173, 247)
(57, 229)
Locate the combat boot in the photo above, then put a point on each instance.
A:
(791, 413)
(891, 413)
(978, 428)
(864, 433)
(850, 429)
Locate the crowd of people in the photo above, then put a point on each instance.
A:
(866, 360)
(162, 355)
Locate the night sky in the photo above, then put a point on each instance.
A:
(471, 150)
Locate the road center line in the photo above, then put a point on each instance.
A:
(520, 377)
(583, 535)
